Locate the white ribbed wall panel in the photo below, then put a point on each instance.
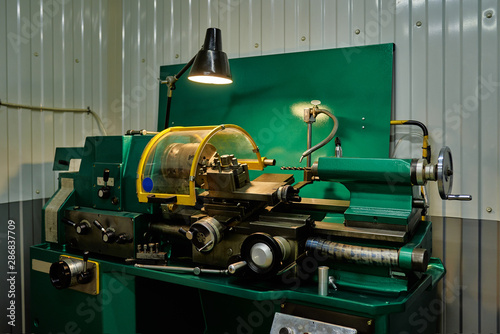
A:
(446, 75)
(53, 54)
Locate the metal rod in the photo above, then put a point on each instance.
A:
(309, 142)
(323, 281)
(183, 270)
(167, 112)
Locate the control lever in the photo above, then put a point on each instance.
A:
(81, 228)
(104, 192)
(123, 238)
(108, 235)
(237, 266)
(84, 277)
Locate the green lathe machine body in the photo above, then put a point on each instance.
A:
(182, 230)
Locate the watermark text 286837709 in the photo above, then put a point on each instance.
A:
(11, 272)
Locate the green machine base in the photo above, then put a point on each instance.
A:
(136, 300)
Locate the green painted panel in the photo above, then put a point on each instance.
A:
(269, 94)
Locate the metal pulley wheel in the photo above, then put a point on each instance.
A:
(445, 172)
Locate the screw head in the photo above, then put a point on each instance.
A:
(77, 60)
(177, 55)
(489, 14)
(35, 54)
(286, 330)
(418, 24)
(357, 31)
(489, 209)
(303, 38)
(256, 45)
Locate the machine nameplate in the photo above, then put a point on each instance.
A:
(292, 324)
(40, 266)
(100, 181)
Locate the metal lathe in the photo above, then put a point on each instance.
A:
(200, 228)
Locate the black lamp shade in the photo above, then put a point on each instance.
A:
(211, 65)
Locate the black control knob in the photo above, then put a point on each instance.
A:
(81, 228)
(104, 192)
(108, 235)
(123, 239)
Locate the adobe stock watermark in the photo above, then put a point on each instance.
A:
(136, 96)
(226, 7)
(375, 22)
(11, 273)
(292, 279)
(31, 27)
(458, 112)
(88, 310)
(427, 315)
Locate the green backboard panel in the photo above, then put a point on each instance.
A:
(269, 94)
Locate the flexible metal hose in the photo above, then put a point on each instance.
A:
(327, 139)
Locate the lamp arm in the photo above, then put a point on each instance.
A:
(185, 68)
(170, 82)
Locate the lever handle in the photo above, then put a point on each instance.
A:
(105, 175)
(237, 266)
(459, 197)
(85, 259)
(99, 226)
(84, 277)
(69, 222)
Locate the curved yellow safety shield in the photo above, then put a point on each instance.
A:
(172, 162)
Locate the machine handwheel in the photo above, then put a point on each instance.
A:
(445, 172)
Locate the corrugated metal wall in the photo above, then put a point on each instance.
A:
(446, 75)
(53, 54)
